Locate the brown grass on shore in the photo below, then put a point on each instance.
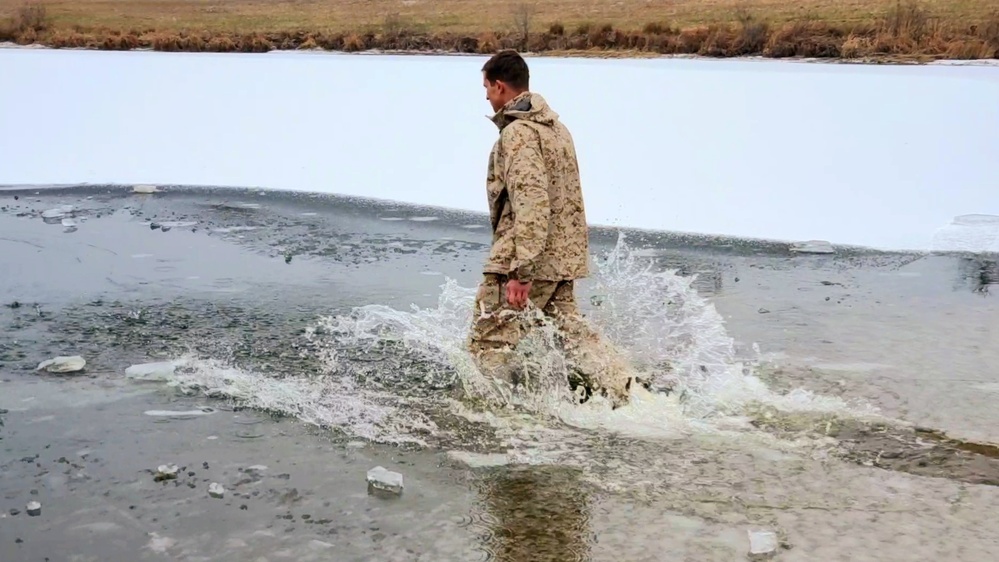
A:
(900, 30)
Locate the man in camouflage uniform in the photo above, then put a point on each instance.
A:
(540, 243)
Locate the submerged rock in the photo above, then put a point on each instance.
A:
(385, 481)
(762, 545)
(216, 490)
(63, 364)
(34, 509)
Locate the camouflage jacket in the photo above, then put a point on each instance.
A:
(535, 197)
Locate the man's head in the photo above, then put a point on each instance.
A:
(505, 76)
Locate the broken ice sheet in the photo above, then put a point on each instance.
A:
(160, 371)
(812, 247)
(384, 481)
(216, 490)
(63, 364)
(57, 214)
(179, 413)
(166, 472)
(762, 544)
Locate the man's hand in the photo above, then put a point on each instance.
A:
(517, 293)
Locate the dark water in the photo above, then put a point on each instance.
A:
(913, 334)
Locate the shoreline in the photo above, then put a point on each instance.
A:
(894, 33)
(915, 59)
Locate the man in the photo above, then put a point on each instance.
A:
(540, 240)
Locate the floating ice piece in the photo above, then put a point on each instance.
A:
(34, 509)
(216, 490)
(762, 545)
(968, 233)
(179, 413)
(228, 229)
(166, 472)
(144, 189)
(812, 247)
(478, 460)
(177, 224)
(383, 480)
(159, 372)
(63, 364)
(58, 212)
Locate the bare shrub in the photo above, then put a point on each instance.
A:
(33, 16)
(752, 36)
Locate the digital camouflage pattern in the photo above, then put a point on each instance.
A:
(535, 196)
(539, 235)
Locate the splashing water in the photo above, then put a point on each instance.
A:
(386, 370)
(328, 402)
(655, 317)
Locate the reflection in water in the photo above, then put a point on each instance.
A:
(535, 514)
(980, 274)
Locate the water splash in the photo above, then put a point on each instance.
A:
(655, 317)
(387, 372)
(332, 402)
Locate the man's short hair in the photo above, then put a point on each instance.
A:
(510, 67)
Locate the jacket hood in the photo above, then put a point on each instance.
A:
(528, 106)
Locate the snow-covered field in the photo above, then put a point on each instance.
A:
(881, 156)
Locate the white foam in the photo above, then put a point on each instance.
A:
(329, 401)
(654, 317)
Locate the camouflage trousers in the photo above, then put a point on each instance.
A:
(497, 328)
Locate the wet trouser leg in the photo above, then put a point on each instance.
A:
(601, 366)
(497, 329)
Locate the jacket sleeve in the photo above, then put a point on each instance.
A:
(527, 187)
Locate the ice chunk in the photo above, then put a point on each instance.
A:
(58, 213)
(63, 364)
(144, 189)
(166, 472)
(762, 545)
(160, 372)
(812, 247)
(216, 490)
(34, 509)
(383, 480)
(179, 413)
(968, 233)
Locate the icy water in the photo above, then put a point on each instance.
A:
(841, 401)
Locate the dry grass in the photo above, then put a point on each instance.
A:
(719, 28)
